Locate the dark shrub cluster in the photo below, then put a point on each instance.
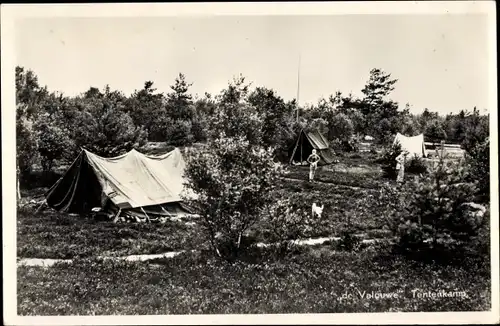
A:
(436, 218)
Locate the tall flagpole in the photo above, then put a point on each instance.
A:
(298, 89)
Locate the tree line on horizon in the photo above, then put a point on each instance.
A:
(52, 127)
(247, 129)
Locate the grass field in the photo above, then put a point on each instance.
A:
(54, 235)
(312, 279)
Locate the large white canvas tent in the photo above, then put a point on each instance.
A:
(415, 145)
(131, 184)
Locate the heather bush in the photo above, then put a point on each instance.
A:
(232, 180)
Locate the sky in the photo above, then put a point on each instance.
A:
(441, 61)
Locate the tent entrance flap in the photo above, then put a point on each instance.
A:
(77, 191)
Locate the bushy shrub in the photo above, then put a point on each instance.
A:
(198, 129)
(350, 145)
(434, 131)
(479, 164)
(387, 160)
(54, 142)
(416, 165)
(436, 216)
(232, 180)
(277, 118)
(384, 130)
(26, 147)
(107, 131)
(39, 179)
(318, 124)
(236, 120)
(340, 127)
(179, 133)
(390, 202)
(475, 130)
(479, 244)
(286, 222)
(283, 152)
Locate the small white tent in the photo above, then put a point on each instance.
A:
(414, 145)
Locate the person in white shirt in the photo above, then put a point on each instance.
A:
(313, 160)
(400, 166)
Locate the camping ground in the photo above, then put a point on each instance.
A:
(310, 279)
(118, 237)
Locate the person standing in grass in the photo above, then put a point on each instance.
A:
(313, 160)
(400, 166)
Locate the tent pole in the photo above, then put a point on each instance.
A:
(18, 188)
(301, 145)
(298, 89)
(147, 216)
(163, 209)
(295, 149)
(40, 207)
(117, 215)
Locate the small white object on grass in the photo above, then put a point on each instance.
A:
(317, 210)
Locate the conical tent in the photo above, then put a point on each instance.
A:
(132, 183)
(306, 142)
(414, 145)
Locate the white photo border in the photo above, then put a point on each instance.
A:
(11, 13)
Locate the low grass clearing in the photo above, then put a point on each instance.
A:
(357, 180)
(313, 280)
(342, 204)
(50, 234)
(355, 170)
